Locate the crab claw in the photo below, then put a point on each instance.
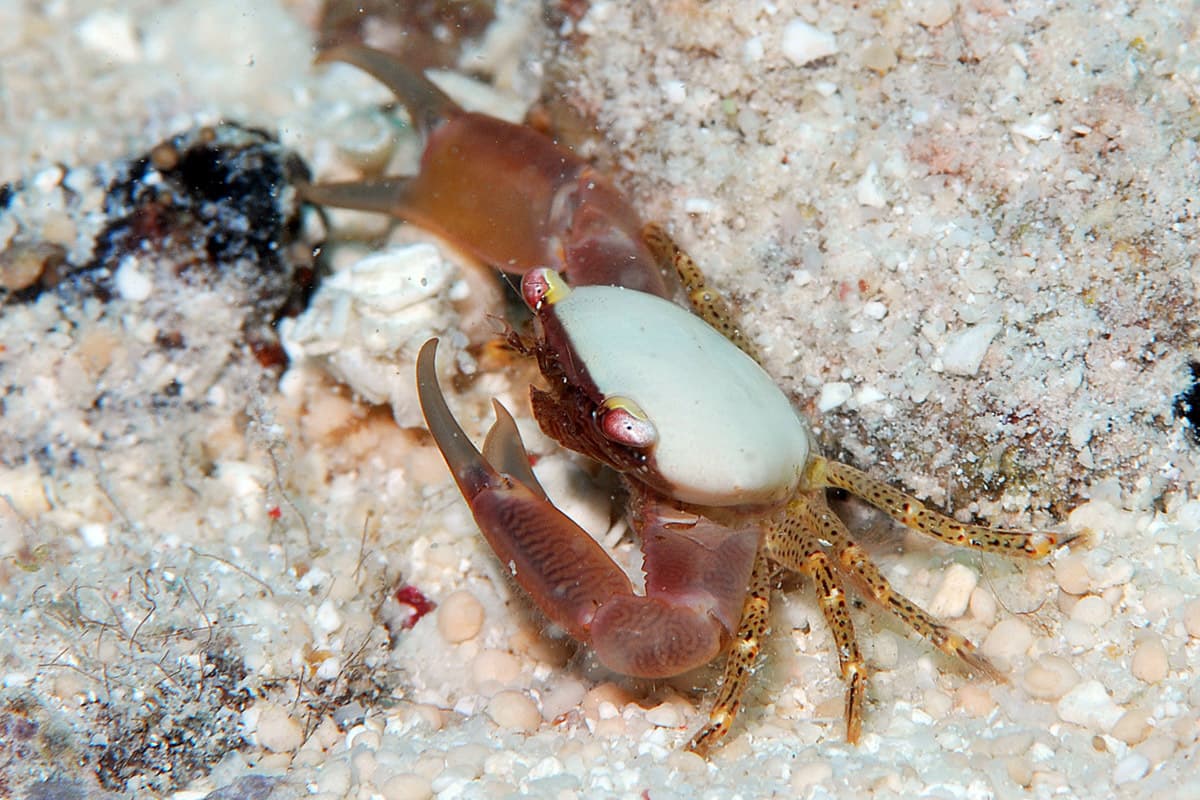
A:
(685, 619)
(563, 569)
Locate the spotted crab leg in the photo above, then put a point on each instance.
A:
(708, 303)
(911, 513)
(696, 570)
(743, 655)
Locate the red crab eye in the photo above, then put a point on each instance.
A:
(542, 285)
(623, 422)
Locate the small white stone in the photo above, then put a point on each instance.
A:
(1050, 678)
(407, 787)
(111, 35)
(276, 730)
(1150, 660)
(875, 310)
(675, 91)
(833, 395)
(1191, 619)
(459, 617)
(327, 618)
(801, 43)
(954, 593)
(1091, 610)
(1071, 572)
(130, 282)
(1009, 640)
(935, 13)
(515, 711)
(963, 352)
(664, 715)
(94, 534)
(1089, 705)
(1035, 130)
(812, 773)
(1131, 768)
(869, 189)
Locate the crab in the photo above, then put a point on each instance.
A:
(725, 486)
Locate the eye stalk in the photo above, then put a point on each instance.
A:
(543, 285)
(623, 421)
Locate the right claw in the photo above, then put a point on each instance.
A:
(566, 572)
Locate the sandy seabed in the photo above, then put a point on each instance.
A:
(964, 234)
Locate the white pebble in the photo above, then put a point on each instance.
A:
(875, 310)
(869, 189)
(407, 787)
(1131, 768)
(1008, 640)
(515, 711)
(664, 715)
(459, 617)
(1133, 726)
(277, 731)
(802, 43)
(111, 35)
(814, 773)
(833, 395)
(1150, 660)
(1050, 678)
(1091, 610)
(954, 593)
(1191, 619)
(130, 282)
(327, 618)
(963, 351)
(495, 665)
(94, 534)
(935, 13)
(1089, 705)
(1071, 572)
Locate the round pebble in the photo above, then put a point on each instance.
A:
(1191, 619)
(1008, 640)
(1050, 678)
(954, 592)
(495, 665)
(1071, 572)
(801, 43)
(1133, 726)
(407, 787)
(1150, 660)
(935, 13)
(983, 606)
(515, 711)
(975, 701)
(814, 773)
(460, 617)
(1091, 610)
(276, 730)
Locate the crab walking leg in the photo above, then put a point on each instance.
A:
(795, 542)
(911, 513)
(739, 663)
(853, 562)
(708, 303)
(693, 583)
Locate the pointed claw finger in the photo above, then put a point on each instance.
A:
(472, 473)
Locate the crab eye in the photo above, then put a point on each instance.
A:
(622, 421)
(543, 285)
